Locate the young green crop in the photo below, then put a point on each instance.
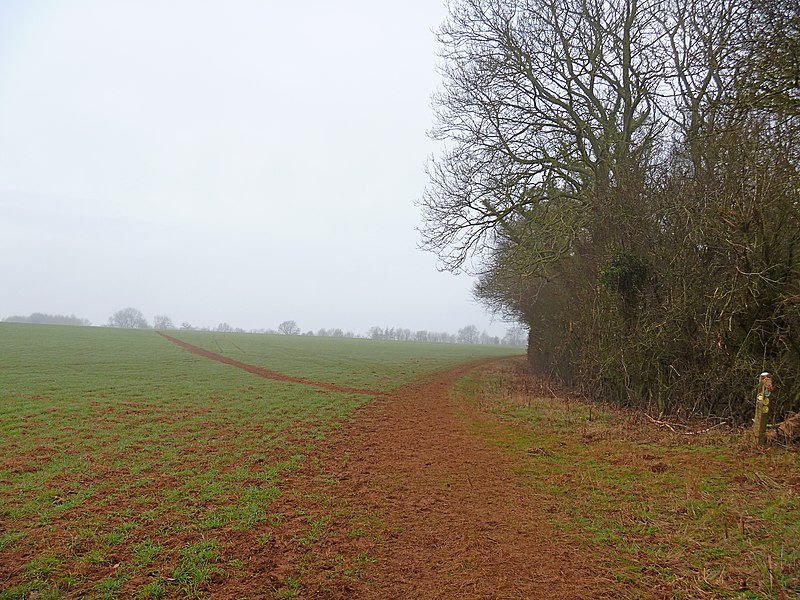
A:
(126, 461)
(368, 364)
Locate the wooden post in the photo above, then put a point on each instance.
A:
(762, 406)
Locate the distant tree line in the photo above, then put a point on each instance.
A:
(133, 318)
(45, 319)
(626, 174)
(334, 332)
(514, 336)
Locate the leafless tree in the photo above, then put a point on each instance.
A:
(289, 328)
(162, 322)
(128, 318)
(468, 335)
(628, 170)
(546, 105)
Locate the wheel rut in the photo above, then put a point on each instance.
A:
(266, 373)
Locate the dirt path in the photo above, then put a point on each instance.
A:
(456, 522)
(450, 518)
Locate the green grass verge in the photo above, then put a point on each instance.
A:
(668, 515)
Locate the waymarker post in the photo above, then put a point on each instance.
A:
(765, 387)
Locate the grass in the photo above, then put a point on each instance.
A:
(669, 515)
(367, 364)
(132, 468)
(198, 564)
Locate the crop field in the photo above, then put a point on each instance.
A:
(130, 467)
(206, 465)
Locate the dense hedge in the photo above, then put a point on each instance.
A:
(626, 175)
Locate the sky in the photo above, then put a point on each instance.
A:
(234, 161)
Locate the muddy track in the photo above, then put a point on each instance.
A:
(459, 522)
(451, 517)
(266, 373)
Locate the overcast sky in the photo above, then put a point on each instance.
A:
(239, 161)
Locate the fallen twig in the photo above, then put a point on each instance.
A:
(671, 426)
(662, 423)
(703, 430)
(773, 579)
(766, 481)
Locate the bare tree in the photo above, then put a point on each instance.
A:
(128, 318)
(468, 335)
(548, 104)
(628, 170)
(289, 328)
(162, 322)
(515, 336)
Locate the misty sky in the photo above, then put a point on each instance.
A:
(238, 161)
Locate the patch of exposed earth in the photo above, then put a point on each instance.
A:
(403, 501)
(414, 505)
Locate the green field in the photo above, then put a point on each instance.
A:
(127, 463)
(357, 363)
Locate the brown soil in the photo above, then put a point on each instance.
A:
(449, 518)
(409, 503)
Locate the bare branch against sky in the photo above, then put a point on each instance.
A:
(247, 161)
